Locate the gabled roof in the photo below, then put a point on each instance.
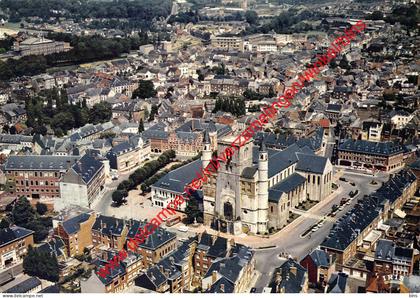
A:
(108, 225)
(72, 225)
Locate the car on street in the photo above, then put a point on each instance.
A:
(342, 179)
(183, 229)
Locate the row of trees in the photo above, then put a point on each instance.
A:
(24, 215)
(53, 109)
(85, 49)
(145, 10)
(235, 106)
(140, 175)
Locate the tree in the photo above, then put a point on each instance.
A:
(5, 223)
(22, 212)
(100, 112)
(145, 90)
(41, 264)
(153, 112)
(193, 211)
(41, 208)
(141, 126)
(118, 197)
(251, 17)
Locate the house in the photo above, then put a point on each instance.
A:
(393, 260)
(173, 273)
(119, 277)
(290, 277)
(338, 284)
(74, 228)
(109, 232)
(350, 230)
(14, 243)
(82, 184)
(319, 266)
(234, 272)
(157, 245)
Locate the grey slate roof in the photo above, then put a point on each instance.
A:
(178, 178)
(72, 225)
(158, 238)
(290, 282)
(87, 167)
(337, 283)
(368, 147)
(311, 163)
(110, 225)
(25, 286)
(365, 211)
(11, 234)
(320, 258)
(40, 162)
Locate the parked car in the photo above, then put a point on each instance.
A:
(183, 229)
(342, 179)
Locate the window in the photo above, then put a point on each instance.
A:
(272, 209)
(319, 178)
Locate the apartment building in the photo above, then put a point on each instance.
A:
(75, 229)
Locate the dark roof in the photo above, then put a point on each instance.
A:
(368, 147)
(40, 162)
(159, 237)
(219, 248)
(87, 167)
(223, 285)
(51, 289)
(333, 107)
(289, 184)
(108, 225)
(311, 163)
(249, 172)
(292, 278)
(177, 179)
(320, 258)
(11, 234)
(337, 283)
(346, 229)
(25, 286)
(72, 225)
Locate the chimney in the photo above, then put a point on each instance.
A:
(331, 259)
(278, 277)
(213, 277)
(293, 270)
(222, 288)
(161, 268)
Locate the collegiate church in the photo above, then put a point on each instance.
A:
(254, 191)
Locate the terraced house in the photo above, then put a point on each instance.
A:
(348, 233)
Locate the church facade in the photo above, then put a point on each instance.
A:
(254, 191)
